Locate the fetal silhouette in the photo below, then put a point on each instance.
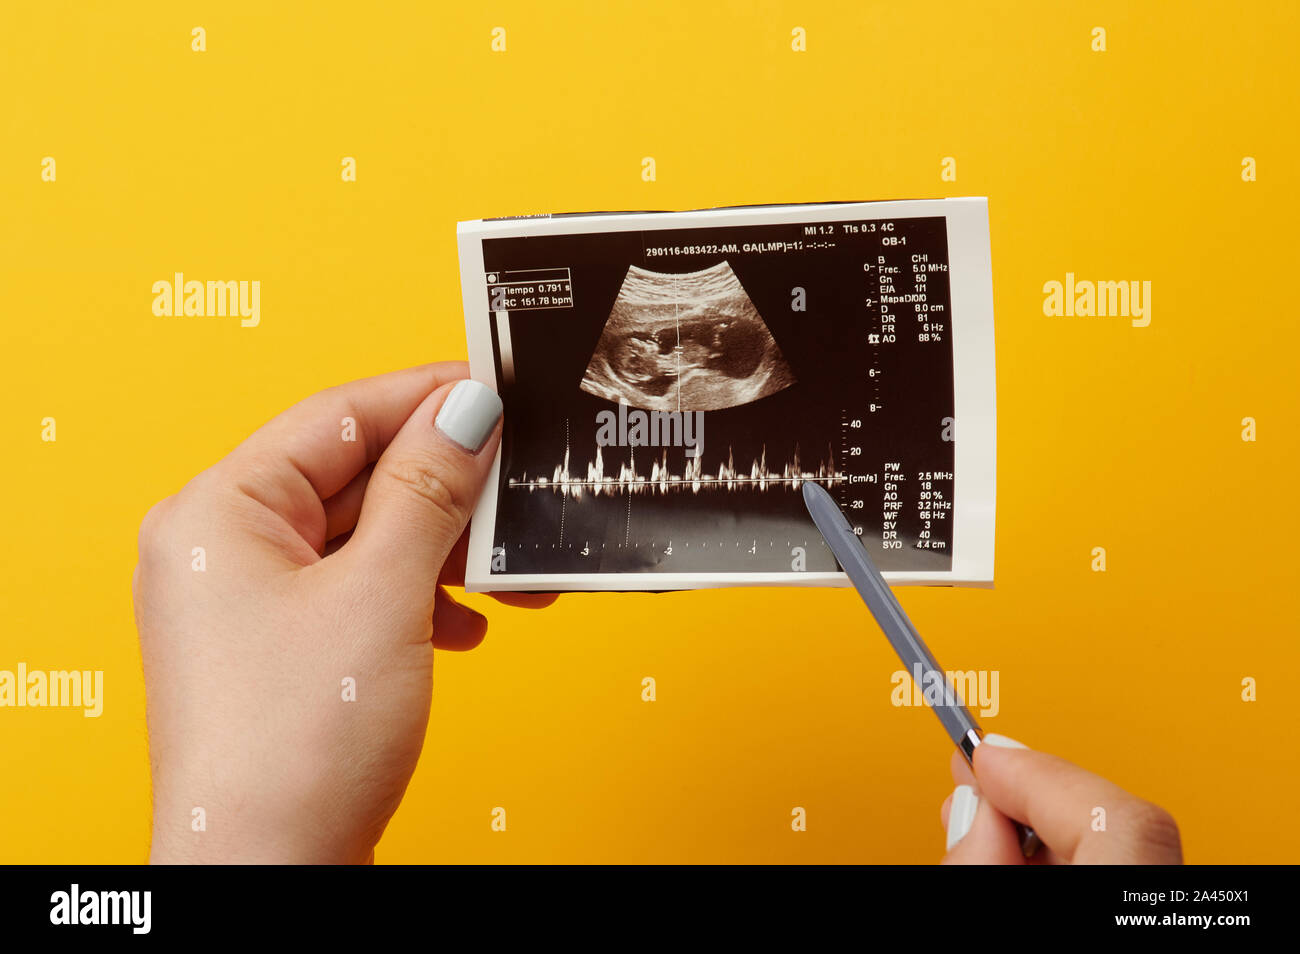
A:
(690, 342)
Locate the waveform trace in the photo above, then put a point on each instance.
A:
(693, 479)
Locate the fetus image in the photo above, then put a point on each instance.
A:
(685, 342)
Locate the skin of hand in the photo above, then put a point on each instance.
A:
(324, 559)
(1059, 801)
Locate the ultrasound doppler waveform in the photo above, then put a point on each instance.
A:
(693, 479)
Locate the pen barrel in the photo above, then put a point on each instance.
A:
(902, 635)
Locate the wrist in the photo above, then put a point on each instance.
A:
(186, 835)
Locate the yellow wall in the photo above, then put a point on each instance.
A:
(1117, 165)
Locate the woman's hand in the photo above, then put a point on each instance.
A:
(1080, 817)
(289, 600)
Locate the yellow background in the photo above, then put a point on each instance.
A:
(1120, 165)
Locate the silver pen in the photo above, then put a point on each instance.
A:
(902, 635)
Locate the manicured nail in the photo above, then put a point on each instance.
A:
(1002, 742)
(468, 414)
(961, 813)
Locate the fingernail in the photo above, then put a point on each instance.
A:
(961, 813)
(1002, 742)
(468, 414)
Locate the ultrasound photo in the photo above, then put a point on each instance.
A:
(671, 381)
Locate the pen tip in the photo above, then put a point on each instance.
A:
(810, 492)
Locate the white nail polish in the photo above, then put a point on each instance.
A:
(468, 414)
(961, 813)
(1002, 742)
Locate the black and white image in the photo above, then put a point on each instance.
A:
(671, 380)
(685, 341)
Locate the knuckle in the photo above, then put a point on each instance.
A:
(1153, 825)
(334, 403)
(423, 477)
(153, 528)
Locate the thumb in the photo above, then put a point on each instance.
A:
(424, 488)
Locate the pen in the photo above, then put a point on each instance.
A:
(902, 635)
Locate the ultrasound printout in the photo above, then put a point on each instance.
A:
(671, 380)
